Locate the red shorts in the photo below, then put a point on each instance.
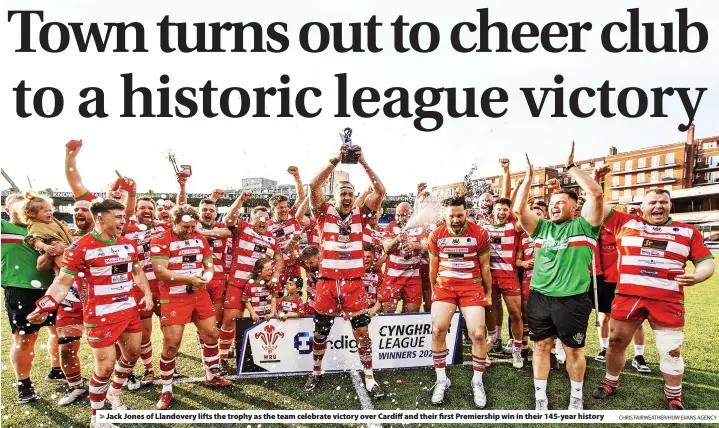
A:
(394, 292)
(462, 296)
(189, 307)
(659, 312)
(216, 289)
(155, 288)
(349, 293)
(507, 286)
(69, 315)
(233, 297)
(106, 335)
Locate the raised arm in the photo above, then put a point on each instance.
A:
(72, 175)
(597, 174)
(528, 220)
(300, 212)
(513, 197)
(182, 194)
(506, 179)
(374, 199)
(231, 216)
(130, 195)
(362, 197)
(317, 197)
(298, 183)
(593, 208)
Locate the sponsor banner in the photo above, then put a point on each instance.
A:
(398, 341)
(447, 416)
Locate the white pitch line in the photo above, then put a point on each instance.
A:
(361, 391)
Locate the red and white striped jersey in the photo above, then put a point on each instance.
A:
(527, 245)
(459, 254)
(290, 304)
(259, 295)
(218, 246)
(311, 279)
(106, 271)
(404, 268)
(371, 281)
(184, 257)
(647, 253)
(505, 240)
(313, 233)
(141, 234)
(341, 242)
(249, 246)
(608, 255)
(430, 227)
(373, 236)
(283, 233)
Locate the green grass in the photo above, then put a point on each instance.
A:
(507, 388)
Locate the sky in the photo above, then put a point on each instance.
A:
(222, 150)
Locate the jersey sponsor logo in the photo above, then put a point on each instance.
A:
(496, 239)
(455, 256)
(657, 236)
(653, 243)
(72, 247)
(189, 259)
(455, 250)
(189, 251)
(189, 265)
(455, 241)
(552, 245)
(120, 298)
(122, 268)
(649, 272)
(260, 249)
(651, 252)
(117, 260)
(120, 278)
(279, 232)
(345, 256)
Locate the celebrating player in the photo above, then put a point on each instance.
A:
(108, 264)
(460, 275)
(252, 241)
(182, 261)
(340, 287)
(653, 253)
(401, 276)
(558, 305)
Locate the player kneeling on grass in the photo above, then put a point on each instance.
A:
(460, 277)
(108, 264)
(653, 252)
(182, 261)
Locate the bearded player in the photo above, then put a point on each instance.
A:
(340, 288)
(218, 236)
(459, 270)
(182, 261)
(653, 253)
(404, 248)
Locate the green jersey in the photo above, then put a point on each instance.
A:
(19, 262)
(562, 257)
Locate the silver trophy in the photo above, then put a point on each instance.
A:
(351, 155)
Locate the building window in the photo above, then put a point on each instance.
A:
(560, 170)
(586, 166)
(617, 166)
(628, 165)
(615, 181)
(709, 145)
(655, 176)
(566, 180)
(599, 163)
(627, 193)
(573, 180)
(641, 177)
(615, 195)
(536, 191)
(628, 180)
(711, 177)
(669, 173)
(655, 161)
(640, 191)
(536, 179)
(669, 159)
(641, 163)
(711, 161)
